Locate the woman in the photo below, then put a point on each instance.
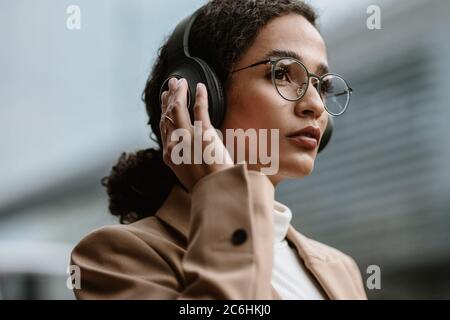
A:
(215, 231)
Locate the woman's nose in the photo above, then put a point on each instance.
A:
(310, 104)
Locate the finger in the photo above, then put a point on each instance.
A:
(171, 89)
(166, 94)
(177, 105)
(201, 106)
(164, 100)
(162, 122)
(164, 128)
(165, 123)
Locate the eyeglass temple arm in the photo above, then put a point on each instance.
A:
(350, 90)
(252, 65)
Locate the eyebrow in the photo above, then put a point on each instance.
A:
(276, 53)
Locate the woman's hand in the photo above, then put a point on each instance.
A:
(175, 115)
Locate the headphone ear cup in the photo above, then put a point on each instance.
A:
(326, 137)
(194, 70)
(216, 98)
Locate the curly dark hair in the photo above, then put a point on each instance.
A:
(222, 33)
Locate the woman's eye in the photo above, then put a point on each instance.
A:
(326, 87)
(281, 74)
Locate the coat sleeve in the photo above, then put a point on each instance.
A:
(229, 253)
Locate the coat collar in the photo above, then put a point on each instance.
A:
(330, 273)
(328, 268)
(175, 211)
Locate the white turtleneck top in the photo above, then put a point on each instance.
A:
(290, 278)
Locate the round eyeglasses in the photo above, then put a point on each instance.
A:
(291, 80)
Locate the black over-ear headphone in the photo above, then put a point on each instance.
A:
(195, 70)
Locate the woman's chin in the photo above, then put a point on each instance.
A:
(301, 165)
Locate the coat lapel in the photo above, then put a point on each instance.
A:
(332, 274)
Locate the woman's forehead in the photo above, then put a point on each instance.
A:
(291, 33)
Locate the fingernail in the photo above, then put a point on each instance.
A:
(172, 83)
(180, 81)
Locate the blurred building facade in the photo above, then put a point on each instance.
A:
(380, 192)
(70, 106)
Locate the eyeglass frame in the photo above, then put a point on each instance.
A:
(274, 61)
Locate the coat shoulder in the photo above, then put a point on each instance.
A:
(135, 229)
(329, 251)
(142, 234)
(128, 262)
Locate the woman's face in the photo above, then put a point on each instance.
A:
(254, 103)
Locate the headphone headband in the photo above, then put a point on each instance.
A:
(179, 41)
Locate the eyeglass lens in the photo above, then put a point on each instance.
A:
(291, 81)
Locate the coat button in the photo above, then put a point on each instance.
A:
(239, 237)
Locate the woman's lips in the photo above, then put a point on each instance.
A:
(304, 141)
(308, 137)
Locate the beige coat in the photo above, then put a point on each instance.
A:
(190, 249)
